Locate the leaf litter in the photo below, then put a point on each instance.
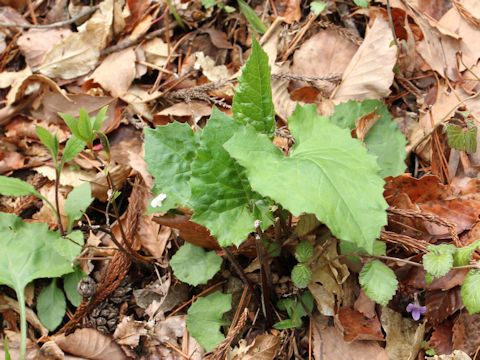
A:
(137, 58)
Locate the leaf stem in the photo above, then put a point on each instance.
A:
(23, 322)
(264, 270)
(57, 205)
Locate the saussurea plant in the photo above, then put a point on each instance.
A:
(31, 250)
(232, 176)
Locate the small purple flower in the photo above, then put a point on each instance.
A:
(416, 310)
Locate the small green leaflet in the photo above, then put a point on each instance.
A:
(51, 306)
(383, 140)
(301, 275)
(378, 282)
(362, 3)
(303, 251)
(327, 173)
(317, 7)
(222, 198)
(252, 103)
(462, 255)
(439, 260)
(169, 152)
(205, 317)
(251, 17)
(460, 139)
(70, 283)
(78, 200)
(295, 311)
(193, 265)
(471, 291)
(208, 3)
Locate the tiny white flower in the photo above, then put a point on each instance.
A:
(157, 202)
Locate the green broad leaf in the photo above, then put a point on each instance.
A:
(84, 126)
(98, 120)
(471, 291)
(442, 248)
(169, 152)
(317, 7)
(460, 139)
(27, 254)
(222, 198)
(70, 246)
(383, 140)
(304, 251)
(15, 187)
(327, 173)
(362, 3)
(50, 141)
(205, 317)
(438, 263)
(193, 265)
(294, 307)
(378, 281)
(301, 275)
(208, 3)
(73, 147)
(78, 200)
(51, 306)
(347, 247)
(462, 255)
(70, 283)
(251, 17)
(429, 278)
(252, 103)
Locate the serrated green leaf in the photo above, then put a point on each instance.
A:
(362, 3)
(50, 141)
(205, 317)
(169, 152)
(383, 140)
(317, 7)
(251, 17)
(471, 137)
(78, 200)
(462, 255)
(51, 306)
(301, 275)
(438, 263)
(193, 265)
(378, 282)
(303, 251)
(442, 248)
(252, 103)
(84, 126)
(330, 174)
(222, 198)
(429, 278)
(72, 123)
(471, 291)
(73, 147)
(70, 283)
(98, 120)
(460, 139)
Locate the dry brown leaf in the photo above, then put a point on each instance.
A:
(193, 109)
(264, 347)
(128, 332)
(370, 72)
(365, 305)
(325, 53)
(156, 51)
(330, 345)
(365, 123)
(289, 10)
(116, 73)
(89, 343)
(35, 43)
(356, 326)
(466, 332)
(79, 53)
(210, 70)
(404, 336)
(7, 303)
